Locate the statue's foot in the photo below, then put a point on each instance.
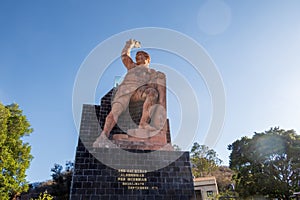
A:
(147, 127)
(100, 141)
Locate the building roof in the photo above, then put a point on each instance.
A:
(208, 178)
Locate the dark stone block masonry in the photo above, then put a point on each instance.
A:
(94, 180)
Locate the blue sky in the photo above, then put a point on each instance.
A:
(254, 45)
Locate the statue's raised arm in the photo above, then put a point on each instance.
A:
(126, 58)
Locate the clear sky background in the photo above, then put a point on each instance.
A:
(254, 44)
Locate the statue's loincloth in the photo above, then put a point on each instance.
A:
(136, 79)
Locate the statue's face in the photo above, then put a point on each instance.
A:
(141, 59)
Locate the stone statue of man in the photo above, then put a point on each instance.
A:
(140, 84)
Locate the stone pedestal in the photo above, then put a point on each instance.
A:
(127, 178)
(129, 167)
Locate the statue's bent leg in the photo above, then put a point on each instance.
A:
(110, 122)
(151, 99)
(112, 118)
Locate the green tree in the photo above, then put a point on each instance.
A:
(267, 164)
(204, 160)
(44, 196)
(223, 176)
(62, 180)
(15, 155)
